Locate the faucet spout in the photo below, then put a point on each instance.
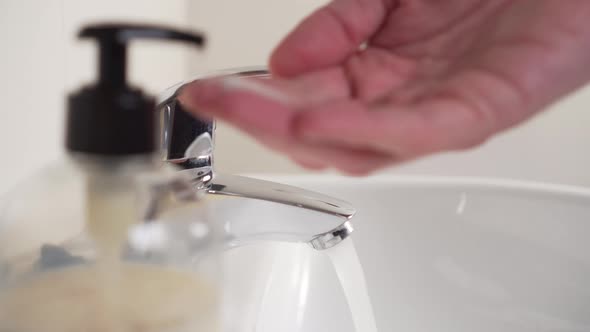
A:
(313, 218)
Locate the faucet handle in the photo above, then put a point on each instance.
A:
(188, 141)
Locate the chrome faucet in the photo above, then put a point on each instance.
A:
(189, 143)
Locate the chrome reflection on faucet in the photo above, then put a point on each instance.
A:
(189, 143)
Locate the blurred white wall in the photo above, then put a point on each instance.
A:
(41, 60)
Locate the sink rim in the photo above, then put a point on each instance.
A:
(475, 182)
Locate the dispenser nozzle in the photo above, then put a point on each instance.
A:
(113, 40)
(109, 117)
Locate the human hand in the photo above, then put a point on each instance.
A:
(431, 76)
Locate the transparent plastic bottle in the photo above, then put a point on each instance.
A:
(119, 247)
(112, 239)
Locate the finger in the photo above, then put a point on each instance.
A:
(407, 132)
(307, 164)
(329, 36)
(262, 104)
(249, 107)
(346, 159)
(265, 111)
(314, 88)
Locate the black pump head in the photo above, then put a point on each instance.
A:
(110, 117)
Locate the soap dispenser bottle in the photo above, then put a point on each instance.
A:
(112, 239)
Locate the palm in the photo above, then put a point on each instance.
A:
(436, 75)
(479, 57)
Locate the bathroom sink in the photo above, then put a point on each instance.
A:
(439, 255)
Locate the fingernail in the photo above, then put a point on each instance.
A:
(308, 136)
(301, 130)
(207, 94)
(233, 83)
(201, 94)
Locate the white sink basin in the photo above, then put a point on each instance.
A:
(440, 255)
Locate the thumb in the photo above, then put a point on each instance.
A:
(329, 36)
